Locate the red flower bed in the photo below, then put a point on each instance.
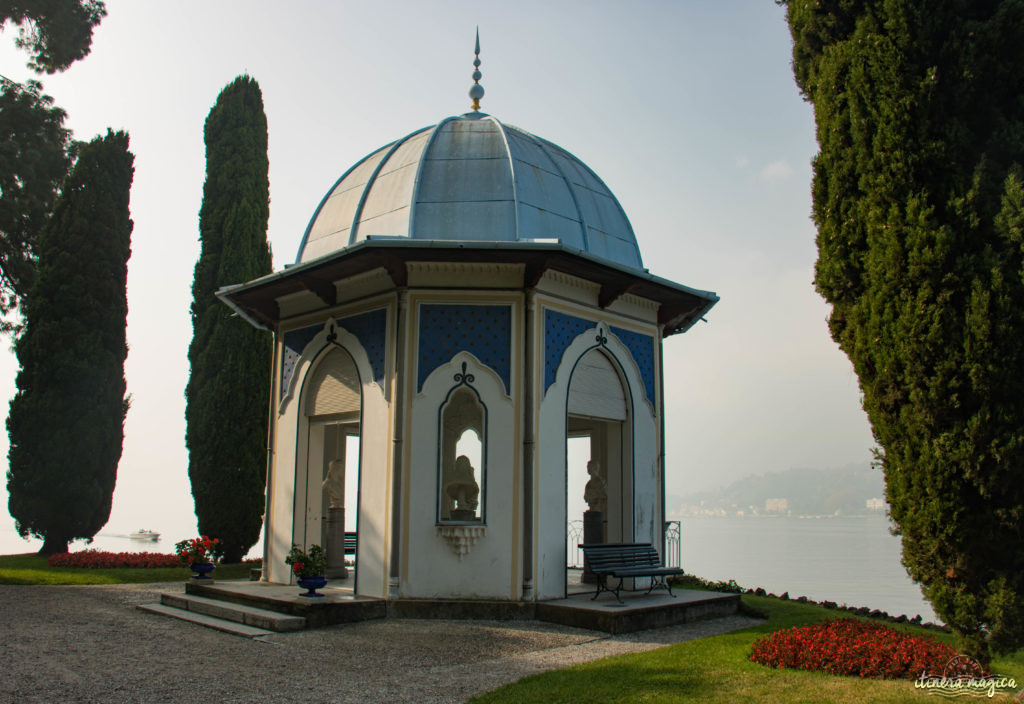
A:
(98, 559)
(849, 646)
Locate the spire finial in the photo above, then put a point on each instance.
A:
(476, 91)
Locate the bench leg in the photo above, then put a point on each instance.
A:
(617, 598)
(601, 586)
(659, 582)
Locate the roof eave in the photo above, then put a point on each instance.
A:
(393, 253)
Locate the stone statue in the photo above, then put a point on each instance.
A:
(462, 487)
(595, 493)
(334, 483)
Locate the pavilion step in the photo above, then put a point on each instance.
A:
(226, 616)
(238, 629)
(240, 613)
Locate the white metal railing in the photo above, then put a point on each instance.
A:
(673, 544)
(574, 536)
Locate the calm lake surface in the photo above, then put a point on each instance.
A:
(849, 560)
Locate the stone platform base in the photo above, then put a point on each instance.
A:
(640, 611)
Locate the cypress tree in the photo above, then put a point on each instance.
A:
(66, 421)
(918, 196)
(229, 386)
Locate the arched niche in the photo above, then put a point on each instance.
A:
(462, 464)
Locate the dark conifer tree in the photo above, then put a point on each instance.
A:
(66, 421)
(229, 387)
(919, 202)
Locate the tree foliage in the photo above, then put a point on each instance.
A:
(35, 153)
(66, 419)
(56, 33)
(919, 202)
(35, 148)
(229, 387)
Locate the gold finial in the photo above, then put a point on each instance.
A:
(476, 91)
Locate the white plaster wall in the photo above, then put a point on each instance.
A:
(550, 516)
(290, 443)
(431, 568)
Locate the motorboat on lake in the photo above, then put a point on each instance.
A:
(141, 534)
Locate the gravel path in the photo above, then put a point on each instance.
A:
(89, 644)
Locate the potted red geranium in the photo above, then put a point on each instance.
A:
(309, 568)
(200, 554)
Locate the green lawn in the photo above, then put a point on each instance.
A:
(717, 669)
(32, 569)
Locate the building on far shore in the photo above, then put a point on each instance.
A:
(875, 504)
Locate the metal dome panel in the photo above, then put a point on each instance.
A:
(388, 202)
(471, 178)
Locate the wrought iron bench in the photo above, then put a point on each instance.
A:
(350, 543)
(627, 560)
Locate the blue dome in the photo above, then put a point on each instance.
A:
(472, 179)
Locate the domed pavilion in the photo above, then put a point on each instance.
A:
(464, 300)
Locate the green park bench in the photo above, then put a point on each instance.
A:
(625, 561)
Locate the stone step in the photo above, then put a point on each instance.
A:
(232, 627)
(238, 613)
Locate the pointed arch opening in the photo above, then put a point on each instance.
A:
(599, 456)
(326, 483)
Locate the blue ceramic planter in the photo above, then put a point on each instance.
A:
(312, 584)
(202, 569)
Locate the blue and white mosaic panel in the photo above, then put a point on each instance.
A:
(642, 348)
(294, 342)
(369, 328)
(485, 331)
(559, 332)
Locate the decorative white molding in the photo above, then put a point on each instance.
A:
(461, 538)
(640, 302)
(569, 287)
(466, 274)
(293, 304)
(564, 279)
(363, 284)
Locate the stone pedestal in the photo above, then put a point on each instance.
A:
(336, 544)
(593, 533)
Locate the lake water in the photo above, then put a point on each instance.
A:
(848, 560)
(852, 560)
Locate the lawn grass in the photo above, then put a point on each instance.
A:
(32, 569)
(718, 669)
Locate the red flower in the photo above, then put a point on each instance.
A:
(852, 647)
(297, 566)
(95, 559)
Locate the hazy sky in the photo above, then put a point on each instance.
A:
(687, 111)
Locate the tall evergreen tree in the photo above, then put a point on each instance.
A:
(919, 203)
(66, 421)
(229, 387)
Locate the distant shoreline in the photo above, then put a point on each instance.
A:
(877, 514)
